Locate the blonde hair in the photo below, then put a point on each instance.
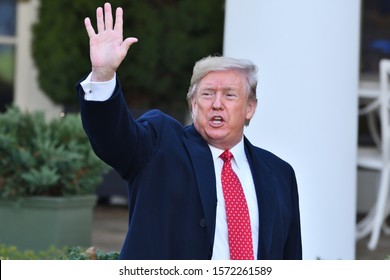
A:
(221, 63)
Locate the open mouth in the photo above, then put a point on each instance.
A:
(216, 121)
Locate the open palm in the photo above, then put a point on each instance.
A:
(107, 47)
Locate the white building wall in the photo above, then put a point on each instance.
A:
(307, 52)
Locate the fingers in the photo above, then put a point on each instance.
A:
(108, 16)
(119, 20)
(105, 22)
(104, 19)
(89, 28)
(100, 19)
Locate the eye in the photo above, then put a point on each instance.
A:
(206, 94)
(231, 95)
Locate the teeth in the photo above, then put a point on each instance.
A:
(217, 120)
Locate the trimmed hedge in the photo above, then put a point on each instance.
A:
(172, 34)
(8, 252)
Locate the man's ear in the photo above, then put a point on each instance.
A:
(251, 108)
(193, 105)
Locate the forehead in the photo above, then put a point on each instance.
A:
(223, 79)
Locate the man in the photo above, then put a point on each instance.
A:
(196, 192)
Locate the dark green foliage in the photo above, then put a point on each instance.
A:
(172, 34)
(45, 158)
(53, 253)
(13, 253)
(78, 253)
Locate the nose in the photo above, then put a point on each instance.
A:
(217, 102)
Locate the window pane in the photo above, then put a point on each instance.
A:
(7, 17)
(375, 38)
(7, 66)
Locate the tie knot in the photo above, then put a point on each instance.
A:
(226, 156)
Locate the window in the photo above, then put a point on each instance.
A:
(7, 51)
(375, 35)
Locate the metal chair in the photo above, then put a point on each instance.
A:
(377, 158)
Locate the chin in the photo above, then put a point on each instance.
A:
(218, 139)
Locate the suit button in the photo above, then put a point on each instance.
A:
(203, 222)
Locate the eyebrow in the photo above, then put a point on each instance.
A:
(212, 88)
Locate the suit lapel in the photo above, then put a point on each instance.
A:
(264, 181)
(202, 161)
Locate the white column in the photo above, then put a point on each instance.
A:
(307, 52)
(28, 95)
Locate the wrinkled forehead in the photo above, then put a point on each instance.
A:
(218, 80)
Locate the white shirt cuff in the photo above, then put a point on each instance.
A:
(98, 91)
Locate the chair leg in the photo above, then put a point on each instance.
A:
(364, 227)
(373, 128)
(380, 208)
(386, 226)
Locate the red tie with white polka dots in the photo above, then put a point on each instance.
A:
(237, 213)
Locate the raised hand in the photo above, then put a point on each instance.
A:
(107, 47)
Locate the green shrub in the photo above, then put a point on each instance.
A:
(78, 253)
(53, 253)
(49, 158)
(173, 34)
(13, 253)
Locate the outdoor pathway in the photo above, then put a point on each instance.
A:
(110, 226)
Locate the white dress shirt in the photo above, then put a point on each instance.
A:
(102, 91)
(98, 91)
(241, 167)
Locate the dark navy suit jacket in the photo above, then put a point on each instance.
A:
(172, 187)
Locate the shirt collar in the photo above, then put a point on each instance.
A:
(238, 152)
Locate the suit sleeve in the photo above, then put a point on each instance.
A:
(115, 136)
(293, 246)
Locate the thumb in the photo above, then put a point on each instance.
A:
(128, 42)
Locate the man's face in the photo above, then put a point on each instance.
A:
(221, 107)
